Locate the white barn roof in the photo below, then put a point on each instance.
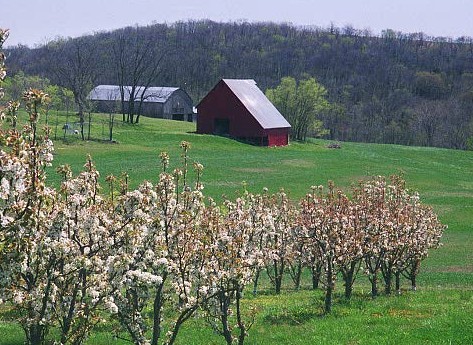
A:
(112, 93)
(257, 103)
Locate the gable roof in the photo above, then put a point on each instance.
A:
(255, 101)
(112, 93)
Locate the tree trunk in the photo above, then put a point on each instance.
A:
(110, 127)
(296, 274)
(297, 283)
(184, 316)
(278, 284)
(35, 334)
(88, 130)
(255, 281)
(67, 320)
(348, 279)
(387, 276)
(413, 282)
(157, 311)
(316, 273)
(388, 284)
(241, 325)
(398, 282)
(374, 285)
(224, 305)
(415, 265)
(349, 275)
(278, 275)
(330, 287)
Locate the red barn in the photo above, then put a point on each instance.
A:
(239, 109)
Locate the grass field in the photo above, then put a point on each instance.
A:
(441, 312)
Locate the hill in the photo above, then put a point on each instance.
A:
(397, 88)
(441, 311)
(443, 177)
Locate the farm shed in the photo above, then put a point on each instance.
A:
(239, 109)
(164, 102)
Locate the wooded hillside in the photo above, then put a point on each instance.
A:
(394, 88)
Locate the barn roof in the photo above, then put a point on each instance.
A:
(257, 103)
(112, 93)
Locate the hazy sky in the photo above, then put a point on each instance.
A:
(34, 22)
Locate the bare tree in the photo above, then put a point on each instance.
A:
(429, 116)
(111, 106)
(138, 59)
(75, 67)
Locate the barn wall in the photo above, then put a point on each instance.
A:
(151, 109)
(278, 137)
(107, 106)
(179, 105)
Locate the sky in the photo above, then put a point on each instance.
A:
(35, 22)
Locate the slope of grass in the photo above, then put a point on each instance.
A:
(440, 313)
(444, 178)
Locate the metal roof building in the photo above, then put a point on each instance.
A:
(163, 102)
(239, 109)
(112, 92)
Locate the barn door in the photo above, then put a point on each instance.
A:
(222, 126)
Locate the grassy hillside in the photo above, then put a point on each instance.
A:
(440, 313)
(444, 178)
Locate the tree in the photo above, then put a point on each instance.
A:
(137, 61)
(430, 85)
(17, 84)
(234, 258)
(330, 234)
(279, 237)
(112, 108)
(302, 104)
(76, 68)
(428, 117)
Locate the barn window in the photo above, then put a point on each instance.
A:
(222, 126)
(179, 117)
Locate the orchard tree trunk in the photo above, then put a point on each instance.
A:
(224, 300)
(349, 275)
(387, 272)
(330, 286)
(255, 281)
(241, 325)
(316, 271)
(414, 282)
(374, 285)
(157, 312)
(35, 334)
(278, 275)
(398, 282)
(296, 274)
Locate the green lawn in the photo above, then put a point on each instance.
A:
(441, 312)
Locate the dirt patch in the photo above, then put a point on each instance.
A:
(254, 170)
(457, 269)
(300, 163)
(224, 184)
(407, 314)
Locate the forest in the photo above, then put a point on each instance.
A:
(394, 87)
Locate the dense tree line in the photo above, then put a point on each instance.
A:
(390, 88)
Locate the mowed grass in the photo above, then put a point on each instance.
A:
(440, 312)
